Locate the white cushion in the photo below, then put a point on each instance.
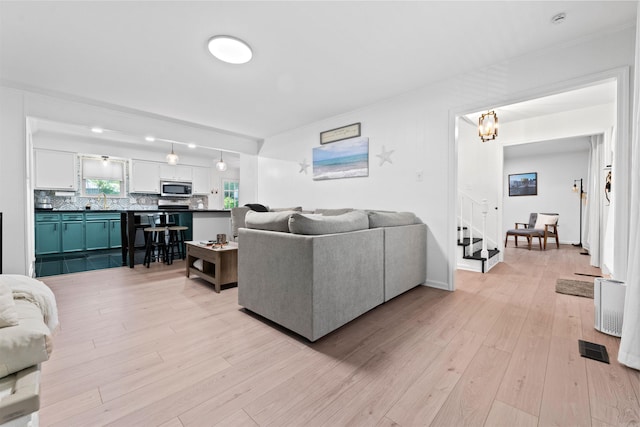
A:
(8, 313)
(545, 220)
(26, 344)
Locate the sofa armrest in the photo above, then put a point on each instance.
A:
(311, 285)
(405, 258)
(19, 394)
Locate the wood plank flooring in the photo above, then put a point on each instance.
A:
(149, 347)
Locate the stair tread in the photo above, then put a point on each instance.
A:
(465, 241)
(476, 255)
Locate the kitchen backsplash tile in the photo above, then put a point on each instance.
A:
(137, 202)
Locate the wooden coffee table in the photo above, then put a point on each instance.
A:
(219, 265)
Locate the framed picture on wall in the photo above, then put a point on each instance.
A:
(523, 184)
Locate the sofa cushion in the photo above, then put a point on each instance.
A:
(391, 219)
(270, 221)
(320, 224)
(296, 209)
(332, 212)
(237, 219)
(8, 314)
(26, 344)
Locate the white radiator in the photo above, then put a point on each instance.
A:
(608, 298)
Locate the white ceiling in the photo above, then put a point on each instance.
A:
(312, 60)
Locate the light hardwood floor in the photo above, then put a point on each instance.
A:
(151, 347)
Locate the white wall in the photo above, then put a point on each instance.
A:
(417, 125)
(556, 173)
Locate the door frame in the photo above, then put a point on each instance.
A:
(621, 160)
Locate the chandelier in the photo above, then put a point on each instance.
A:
(488, 126)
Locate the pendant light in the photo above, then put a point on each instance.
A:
(172, 158)
(221, 165)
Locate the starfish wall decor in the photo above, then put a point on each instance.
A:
(385, 156)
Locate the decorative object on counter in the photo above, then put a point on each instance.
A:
(221, 165)
(221, 239)
(43, 201)
(172, 158)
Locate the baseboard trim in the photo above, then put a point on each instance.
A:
(438, 285)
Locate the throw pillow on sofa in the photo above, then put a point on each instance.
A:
(319, 224)
(8, 313)
(270, 221)
(392, 219)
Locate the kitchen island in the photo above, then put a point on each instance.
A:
(206, 224)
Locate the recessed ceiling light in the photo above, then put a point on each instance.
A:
(96, 129)
(230, 49)
(559, 18)
(191, 145)
(149, 138)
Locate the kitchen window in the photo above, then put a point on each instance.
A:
(103, 175)
(231, 193)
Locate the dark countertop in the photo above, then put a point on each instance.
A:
(129, 210)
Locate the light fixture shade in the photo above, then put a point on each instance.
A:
(221, 165)
(230, 49)
(488, 126)
(172, 158)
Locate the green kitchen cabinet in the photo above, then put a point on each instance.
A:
(97, 234)
(115, 236)
(72, 226)
(47, 237)
(72, 236)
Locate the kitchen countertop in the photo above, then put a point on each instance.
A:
(129, 210)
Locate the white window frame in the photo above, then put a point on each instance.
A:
(224, 192)
(123, 182)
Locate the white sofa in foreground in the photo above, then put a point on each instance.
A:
(28, 318)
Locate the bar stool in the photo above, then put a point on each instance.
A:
(156, 243)
(177, 238)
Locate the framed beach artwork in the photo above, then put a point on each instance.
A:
(348, 158)
(523, 184)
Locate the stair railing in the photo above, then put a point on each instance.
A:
(471, 205)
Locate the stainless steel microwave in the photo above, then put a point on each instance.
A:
(175, 189)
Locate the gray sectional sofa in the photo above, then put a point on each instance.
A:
(313, 273)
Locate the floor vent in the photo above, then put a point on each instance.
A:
(593, 351)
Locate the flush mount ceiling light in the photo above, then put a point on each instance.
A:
(488, 126)
(172, 158)
(221, 165)
(230, 49)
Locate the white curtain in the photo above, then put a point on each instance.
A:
(591, 233)
(629, 353)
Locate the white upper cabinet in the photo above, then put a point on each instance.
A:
(201, 180)
(55, 170)
(145, 177)
(176, 173)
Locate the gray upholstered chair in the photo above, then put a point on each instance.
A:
(543, 230)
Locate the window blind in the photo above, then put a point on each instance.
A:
(97, 169)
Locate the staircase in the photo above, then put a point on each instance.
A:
(473, 253)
